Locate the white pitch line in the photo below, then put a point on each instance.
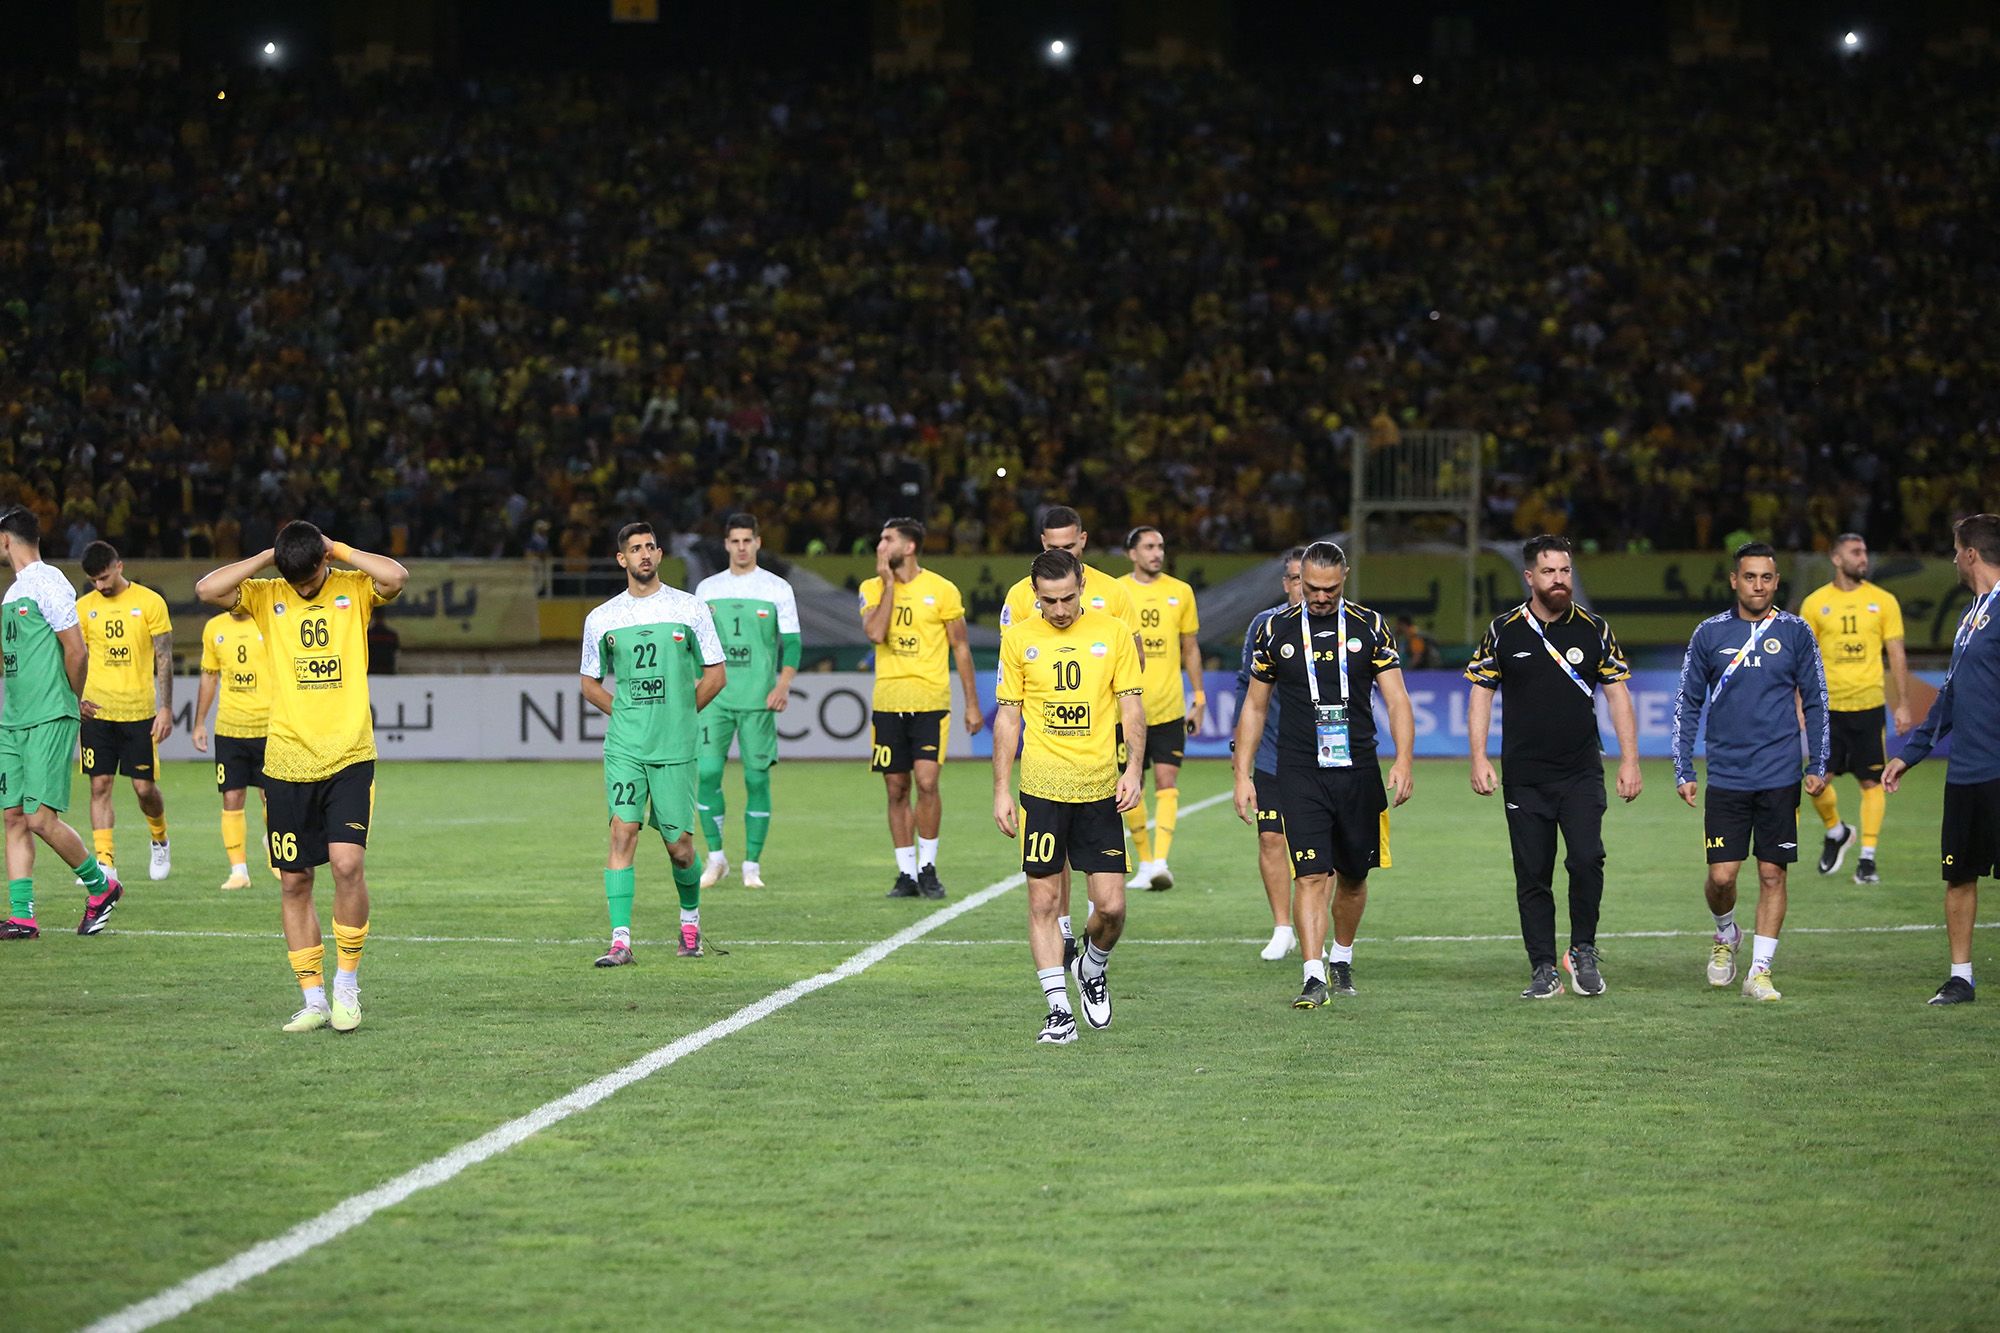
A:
(350, 1213)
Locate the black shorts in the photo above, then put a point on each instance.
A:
(239, 762)
(303, 817)
(1970, 840)
(1268, 818)
(1088, 836)
(1857, 744)
(110, 748)
(902, 740)
(1336, 819)
(1729, 818)
(1166, 744)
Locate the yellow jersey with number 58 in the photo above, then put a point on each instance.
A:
(1068, 683)
(234, 650)
(118, 632)
(1851, 628)
(320, 719)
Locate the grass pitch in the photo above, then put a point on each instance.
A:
(895, 1149)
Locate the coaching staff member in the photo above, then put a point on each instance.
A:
(1548, 658)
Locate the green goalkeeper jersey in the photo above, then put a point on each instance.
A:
(757, 621)
(653, 649)
(40, 605)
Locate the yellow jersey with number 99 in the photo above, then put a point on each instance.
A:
(234, 650)
(1068, 683)
(1851, 628)
(1166, 611)
(320, 719)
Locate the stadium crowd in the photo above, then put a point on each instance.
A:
(495, 317)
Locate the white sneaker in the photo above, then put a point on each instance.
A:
(1163, 878)
(162, 863)
(718, 866)
(1282, 940)
(1722, 959)
(1143, 879)
(753, 875)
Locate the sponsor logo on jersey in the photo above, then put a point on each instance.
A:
(1066, 719)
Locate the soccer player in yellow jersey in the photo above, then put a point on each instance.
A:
(235, 664)
(1170, 640)
(128, 705)
(1856, 623)
(319, 755)
(916, 620)
(1069, 678)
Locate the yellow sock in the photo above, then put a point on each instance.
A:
(157, 827)
(1828, 805)
(1135, 820)
(1166, 809)
(347, 943)
(235, 840)
(309, 965)
(1874, 805)
(102, 839)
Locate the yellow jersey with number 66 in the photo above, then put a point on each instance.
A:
(1851, 628)
(234, 650)
(1068, 683)
(118, 632)
(913, 665)
(320, 719)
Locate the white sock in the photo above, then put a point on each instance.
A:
(926, 851)
(1725, 924)
(346, 985)
(749, 867)
(1315, 969)
(906, 861)
(1868, 851)
(1062, 924)
(690, 916)
(1094, 960)
(1763, 948)
(238, 868)
(315, 997)
(1284, 933)
(717, 857)
(1055, 987)
(1339, 953)
(622, 935)
(1963, 971)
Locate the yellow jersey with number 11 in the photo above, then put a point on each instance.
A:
(320, 719)
(1851, 628)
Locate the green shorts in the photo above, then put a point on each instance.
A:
(756, 727)
(37, 764)
(658, 794)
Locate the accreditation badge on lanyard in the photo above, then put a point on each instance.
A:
(1741, 653)
(1535, 623)
(1332, 748)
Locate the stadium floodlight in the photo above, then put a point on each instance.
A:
(271, 52)
(1058, 52)
(999, 471)
(1850, 41)
(1416, 79)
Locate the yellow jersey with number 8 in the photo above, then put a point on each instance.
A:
(1068, 683)
(320, 720)
(234, 650)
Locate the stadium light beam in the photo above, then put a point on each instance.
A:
(271, 53)
(1058, 52)
(1850, 41)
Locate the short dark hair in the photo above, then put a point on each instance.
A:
(1061, 516)
(1751, 551)
(98, 557)
(298, 551)
(1051, 566)
(1979, 533)
(20, 523)
(1326, 555)
(1138, 534)
(909, 527)
(1534, 548)
(1295, 556)
(739, 519)
(1846, 537)
(631, 530)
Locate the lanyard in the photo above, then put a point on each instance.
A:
(1741, 653)
(1535, 623)
(1339, 652)
(1973, 617)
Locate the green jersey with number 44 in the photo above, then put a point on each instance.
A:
(653, 649)
(757, 621)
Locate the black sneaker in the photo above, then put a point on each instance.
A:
(1095, 992)
(1581, 964)
(1865, 873)
(905, 887)
(928, 883)
(98, 908)
(1058, 1029)
(1834, 850)
(1545, 985)
(1313, 996)
(1956, 990)
(1340, 978)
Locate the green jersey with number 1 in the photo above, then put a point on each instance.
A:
(757, 620)
(653, 649)
(40, 605)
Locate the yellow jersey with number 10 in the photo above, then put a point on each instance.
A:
(234, 650)
(118, 631)
(1068, 683)
(1851, 628)
(320, 719)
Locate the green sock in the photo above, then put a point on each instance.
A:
(687, 882)
(21, 899)
(709, 798)
(618, 889)
(92, 875)
(756, 812)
